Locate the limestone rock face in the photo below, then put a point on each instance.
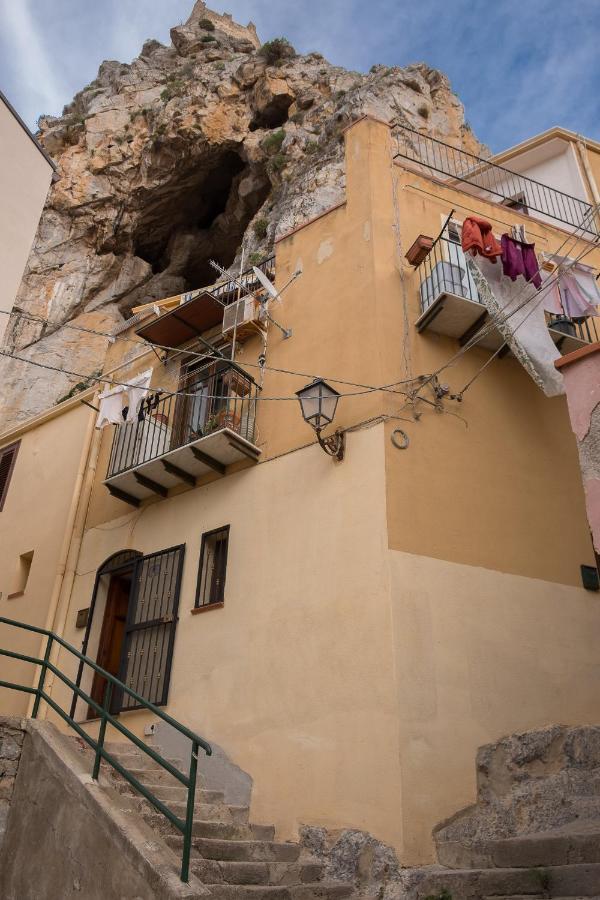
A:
(166, 163)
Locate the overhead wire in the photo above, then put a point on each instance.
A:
(495, 320)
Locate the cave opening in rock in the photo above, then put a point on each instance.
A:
(200, 214)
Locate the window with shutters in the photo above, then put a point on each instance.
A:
(8, 457)
(213, 565)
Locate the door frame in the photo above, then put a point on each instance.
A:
(130, 625)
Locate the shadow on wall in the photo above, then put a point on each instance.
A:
(215, 773)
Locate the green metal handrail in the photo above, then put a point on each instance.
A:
(183, 825)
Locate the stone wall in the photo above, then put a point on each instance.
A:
(11, 744)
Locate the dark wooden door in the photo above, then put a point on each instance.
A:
(112, 634)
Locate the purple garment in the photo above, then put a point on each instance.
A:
(520, 259)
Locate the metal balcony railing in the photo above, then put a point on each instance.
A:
(495, 182)
(444, 271)
(227, 291)
(219, 396)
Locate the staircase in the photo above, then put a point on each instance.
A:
(235, 859)
(535, 829)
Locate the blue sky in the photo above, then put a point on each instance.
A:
(519, 66)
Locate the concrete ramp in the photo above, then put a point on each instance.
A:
(68, 836)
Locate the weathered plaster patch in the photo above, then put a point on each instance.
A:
(367, 231)
(325, 250)
(589, 447)
(299, 267)
(592, 503)
(582, 381)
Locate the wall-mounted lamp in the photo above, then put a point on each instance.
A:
(318, 402)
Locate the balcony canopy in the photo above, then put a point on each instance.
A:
(185, 322)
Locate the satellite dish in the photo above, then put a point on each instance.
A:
(268, 285)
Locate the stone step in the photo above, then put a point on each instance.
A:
(228, 831)
(551, 848)
(327, 890)
(153, 776)
(129, 754)
(580, 880)
(214, 812)
(246, 851)
(214, 871)
(203, 812)
(171, 793)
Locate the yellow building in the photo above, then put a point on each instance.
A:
(347, 631)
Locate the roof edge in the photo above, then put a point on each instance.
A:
(16, 115)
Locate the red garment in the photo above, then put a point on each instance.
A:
(477, 238)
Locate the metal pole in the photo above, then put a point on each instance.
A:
(102, 731)
(42, 678)
(189, 816)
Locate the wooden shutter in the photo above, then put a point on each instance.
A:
(151, 624)
(8, 456)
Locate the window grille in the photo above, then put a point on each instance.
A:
(213, 567)
(150, 629)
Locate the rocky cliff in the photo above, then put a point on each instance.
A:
(183, 156)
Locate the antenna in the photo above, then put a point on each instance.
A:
(266, 283)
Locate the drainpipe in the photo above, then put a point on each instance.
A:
(71, 540)
(583, 156)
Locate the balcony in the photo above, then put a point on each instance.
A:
(204, 310)
(489, 181)
(206, 427)
(450, 304)
(449, 300)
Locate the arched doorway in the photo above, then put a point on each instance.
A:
(131, 628)
(118, 573)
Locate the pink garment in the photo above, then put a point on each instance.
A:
(519, 258)
(575, 303)
(573, 295)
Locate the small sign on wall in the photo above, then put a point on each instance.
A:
(82, 617)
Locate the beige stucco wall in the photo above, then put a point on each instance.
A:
(25, 177)
(294, 676)
(479, 654)
(35, 516)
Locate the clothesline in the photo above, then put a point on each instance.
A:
(444, 203)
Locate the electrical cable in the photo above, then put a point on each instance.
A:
(369, 389)
(494, 320)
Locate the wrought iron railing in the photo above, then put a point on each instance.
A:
(227, 291)
(583, 329)
(444, 271)
(185, 826)
(501, 184)
(219, 395)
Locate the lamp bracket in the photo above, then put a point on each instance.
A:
(334, 445)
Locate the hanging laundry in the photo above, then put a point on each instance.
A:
(518, 313)
(573, 293)
(520, 259)
(136, 392)
(517, 232)
(111, 407)
(477, 238)
(574, 299)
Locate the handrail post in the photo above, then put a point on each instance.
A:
(42, 678)
(189, 816)
(102, 730)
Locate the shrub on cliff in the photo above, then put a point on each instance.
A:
(276, 50)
